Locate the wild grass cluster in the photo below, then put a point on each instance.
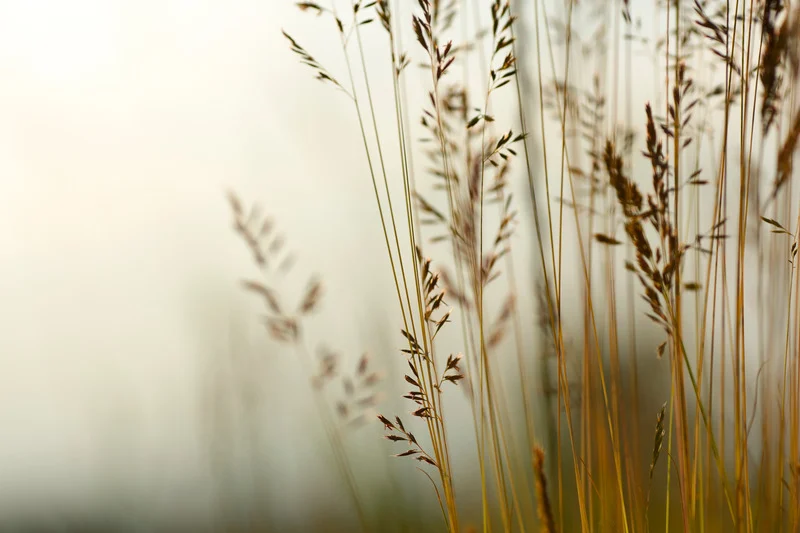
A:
(656, 203)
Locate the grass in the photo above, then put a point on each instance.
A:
(688, 202)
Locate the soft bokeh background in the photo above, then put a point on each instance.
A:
(124, 123)
(137, 387)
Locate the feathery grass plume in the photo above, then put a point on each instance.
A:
(776, 42)
(469, 163)
(780, 230)
(500, 325)
(267, 248)
(427, 383)
(716, 29)
(321, 72)
(350, 410)
(359, 393)
(654, 277)
(396, 432)
(786, 155)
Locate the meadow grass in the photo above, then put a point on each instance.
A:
(678, 219)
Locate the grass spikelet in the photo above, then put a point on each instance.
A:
(658, 441)
(786, 155)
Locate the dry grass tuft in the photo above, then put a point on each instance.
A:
(671, 197)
